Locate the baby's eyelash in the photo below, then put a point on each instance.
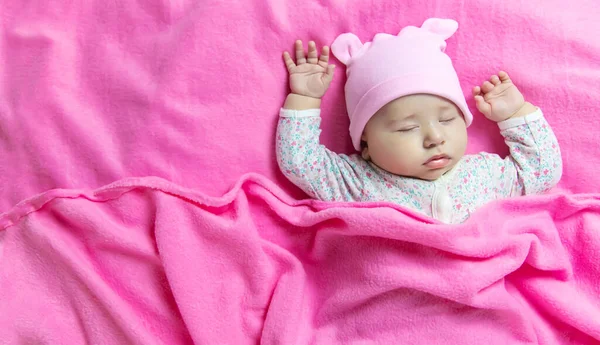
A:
(406, 129)
(448, 120)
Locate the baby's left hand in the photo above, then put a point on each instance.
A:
(499, 99)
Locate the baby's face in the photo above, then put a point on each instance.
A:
(421, 136)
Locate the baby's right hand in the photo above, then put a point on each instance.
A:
(309, 77)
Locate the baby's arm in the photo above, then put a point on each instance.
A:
(318, 171)
(534, 164)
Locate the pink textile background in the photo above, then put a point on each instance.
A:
(144, 261)
(95, 91)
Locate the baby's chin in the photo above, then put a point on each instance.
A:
(422, 173)
(429, 175)
(432, 175)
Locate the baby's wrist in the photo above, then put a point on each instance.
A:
(295, 94)
(526, 109)
(300, 102)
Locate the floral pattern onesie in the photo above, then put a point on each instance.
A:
(533, 167)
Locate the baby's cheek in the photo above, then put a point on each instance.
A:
(397, 153)
(459, 142)
(407, 156)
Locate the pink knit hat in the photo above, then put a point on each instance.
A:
(390, 67)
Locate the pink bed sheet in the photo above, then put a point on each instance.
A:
(189, 91)
(95, 91)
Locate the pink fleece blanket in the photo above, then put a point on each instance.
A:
(143, 261)
(189, 91)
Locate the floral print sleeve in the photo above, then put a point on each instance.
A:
(319, 172)
(534, 164)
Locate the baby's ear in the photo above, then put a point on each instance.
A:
(444, 28)
(345, 46)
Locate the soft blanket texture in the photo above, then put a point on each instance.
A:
(94, 91)
(189, 91)
(144, 261)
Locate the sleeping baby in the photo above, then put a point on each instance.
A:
(408, 123)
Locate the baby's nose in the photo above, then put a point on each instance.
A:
(434, 137)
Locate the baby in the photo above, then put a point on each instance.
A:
(408, 120)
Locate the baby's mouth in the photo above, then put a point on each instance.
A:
(438, 162)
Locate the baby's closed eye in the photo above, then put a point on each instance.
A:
(447, 119)
(407, 129)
